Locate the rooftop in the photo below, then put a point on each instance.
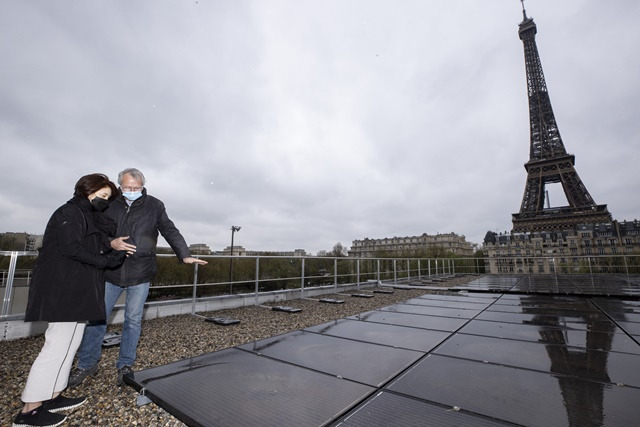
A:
(490, 350)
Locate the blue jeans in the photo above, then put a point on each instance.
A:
(91, 347)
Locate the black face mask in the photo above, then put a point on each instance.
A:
(99, 203)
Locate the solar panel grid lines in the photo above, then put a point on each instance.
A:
(432, 311)
(358, 361)
(589, 364)
(437, 323)
(494, 357)
(619, 340)
(516, 395)
(235, 387)
(386, 409)
(406, 337)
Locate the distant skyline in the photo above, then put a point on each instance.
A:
(309, 123)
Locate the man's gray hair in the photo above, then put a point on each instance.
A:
(135, 173)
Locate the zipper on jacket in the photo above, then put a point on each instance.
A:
(124, 226)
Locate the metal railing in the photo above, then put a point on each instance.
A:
(251, 275)
(254, 275)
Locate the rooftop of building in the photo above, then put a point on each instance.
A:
(551, 350)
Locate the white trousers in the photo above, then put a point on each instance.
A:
(50, 371)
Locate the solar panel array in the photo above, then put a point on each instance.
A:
(538, 350)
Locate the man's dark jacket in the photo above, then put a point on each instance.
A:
(68, 283)
(141, 222)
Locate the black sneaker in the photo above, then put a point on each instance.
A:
(125, 370)
(78, 375)
(62, 403)
(39, 417)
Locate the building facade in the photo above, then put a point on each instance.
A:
(412, 246)
(11, 241)
(568, 251)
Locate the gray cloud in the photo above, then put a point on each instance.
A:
(306, 122)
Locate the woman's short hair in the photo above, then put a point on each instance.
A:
(89, 184)
(135, 173)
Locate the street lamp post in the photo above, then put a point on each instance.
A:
(234, 228)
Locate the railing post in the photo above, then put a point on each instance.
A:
(626, 267)
(195, 285)
(335, 273)
(258, 278)
(395, 272)
(419, 272)
(408, 270)
(302, 279)
(358, 272)
(589, 261)
(6, 302)
(429, 266)
(378, 268)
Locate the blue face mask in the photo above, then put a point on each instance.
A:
(132, 195)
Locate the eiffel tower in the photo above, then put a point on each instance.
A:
(548, 160)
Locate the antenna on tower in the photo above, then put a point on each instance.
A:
(524, 12)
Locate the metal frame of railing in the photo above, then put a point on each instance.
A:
(311, 272)
(330, 272)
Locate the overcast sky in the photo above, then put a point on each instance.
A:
(312, 122)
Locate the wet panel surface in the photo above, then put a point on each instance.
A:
(432, 311)
(514, 302)
(630, 327)
(527, 358)
(358, 361)
(388, 409)
(595, 365)
(232, 387)
(396, 336)
(518, 395)
(605, 284)
(484, 299)
(550, 310)
(427, 302)
(414, 320)
(617, 339)
(549, 320)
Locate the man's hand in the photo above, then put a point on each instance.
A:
(119, 244)
(190, 260)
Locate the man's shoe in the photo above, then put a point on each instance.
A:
(39, 417)
(62, 403)
(78, 375)
(125, 370)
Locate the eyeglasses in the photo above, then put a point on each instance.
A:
(131, 188)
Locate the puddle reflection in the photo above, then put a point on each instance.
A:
(589, 362)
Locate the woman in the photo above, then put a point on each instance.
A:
(67, 289)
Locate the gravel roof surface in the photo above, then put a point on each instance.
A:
(168, 339)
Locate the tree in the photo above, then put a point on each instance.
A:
(338, 250)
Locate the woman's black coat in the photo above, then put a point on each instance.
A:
(68, 281)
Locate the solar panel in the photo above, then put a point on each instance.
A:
(358, 361)
(520, 396)
(388, 409)
(432, 311)
(415, 320)
(526, 350)
(232, 387)
(391, 335)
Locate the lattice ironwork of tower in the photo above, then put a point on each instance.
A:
(548, 160)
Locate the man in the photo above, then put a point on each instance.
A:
(139, 217)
